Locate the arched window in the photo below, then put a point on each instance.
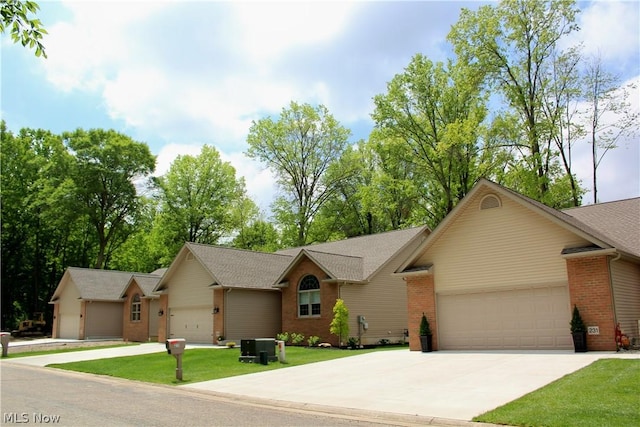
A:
(135, 308)
(309, 296)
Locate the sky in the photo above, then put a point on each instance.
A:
(180, 74)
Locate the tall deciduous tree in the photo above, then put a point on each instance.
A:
(15, 14)
(106, 165)
(516, 45)
(438, 111)
(198, 197)
(608, 115)
(299, 148)
(42, 227)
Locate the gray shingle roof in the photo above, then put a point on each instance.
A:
(618, 221)
(146, 282)
(238, 268)
(99, 285)
(373, 251)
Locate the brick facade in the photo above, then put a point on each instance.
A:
(421, 298)
(590, 290)
(135, 330)
(316, 325)
(162, 322)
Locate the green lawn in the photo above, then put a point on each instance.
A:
(201, 364)
(605, 393)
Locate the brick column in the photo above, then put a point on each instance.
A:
(162, 321)
(218, 318)
(590, 291)
(421, 298)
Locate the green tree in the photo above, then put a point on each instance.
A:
(608, 115)
(259, 235)
(299, 148)
(438, 111)
(106, 165)
(199, 196)
(42, 228)
(515, 45)
(340, 324)
(15, 14)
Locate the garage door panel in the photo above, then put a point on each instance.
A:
(532, 318)
(193, 324)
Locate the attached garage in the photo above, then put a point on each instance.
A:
(252, 314)
(195, 324)
(530, 318)
(103, 319)
(69, 326)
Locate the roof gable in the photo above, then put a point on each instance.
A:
(563, 219)
(374, 252)
(231, 267)
(95, 285)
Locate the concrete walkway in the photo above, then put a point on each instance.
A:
(444, 384)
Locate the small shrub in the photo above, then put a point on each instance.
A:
(383, 341)
(284, 336)
(352, 343)
(296, 339)
(313, 341)
(231, 344)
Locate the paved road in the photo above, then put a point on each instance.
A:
(35, 395)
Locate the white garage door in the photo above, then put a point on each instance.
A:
(69, 327)
(193, 324)
(533, 318)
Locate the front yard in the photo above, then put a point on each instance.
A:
(605, 393)
(202, 364)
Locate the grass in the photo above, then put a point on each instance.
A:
(605, 393)
(12, 355)
(201, 364)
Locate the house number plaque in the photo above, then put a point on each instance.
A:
(593, 330)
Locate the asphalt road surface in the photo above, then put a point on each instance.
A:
(33, 396)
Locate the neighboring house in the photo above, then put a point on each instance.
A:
(503, 271)
(88, 303)
(141, 307)
(357, 270)
(212, 291)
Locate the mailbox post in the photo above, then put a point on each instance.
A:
(175, 347)
(4, 339)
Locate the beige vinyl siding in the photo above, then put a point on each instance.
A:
(190, 285)
(103, 319)
(252, 314)
(625, 277)
(383, 302)
(505, 247)
(69, 312)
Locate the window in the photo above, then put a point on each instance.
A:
(309, 296)
(135, 308)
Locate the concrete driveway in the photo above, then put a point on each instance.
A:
(443, 384)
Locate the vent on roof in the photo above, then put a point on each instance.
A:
(189, 256)
(490, 201)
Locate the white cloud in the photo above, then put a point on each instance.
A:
(610, 29)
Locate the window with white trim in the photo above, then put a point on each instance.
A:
(309, 296)
(135, 308)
